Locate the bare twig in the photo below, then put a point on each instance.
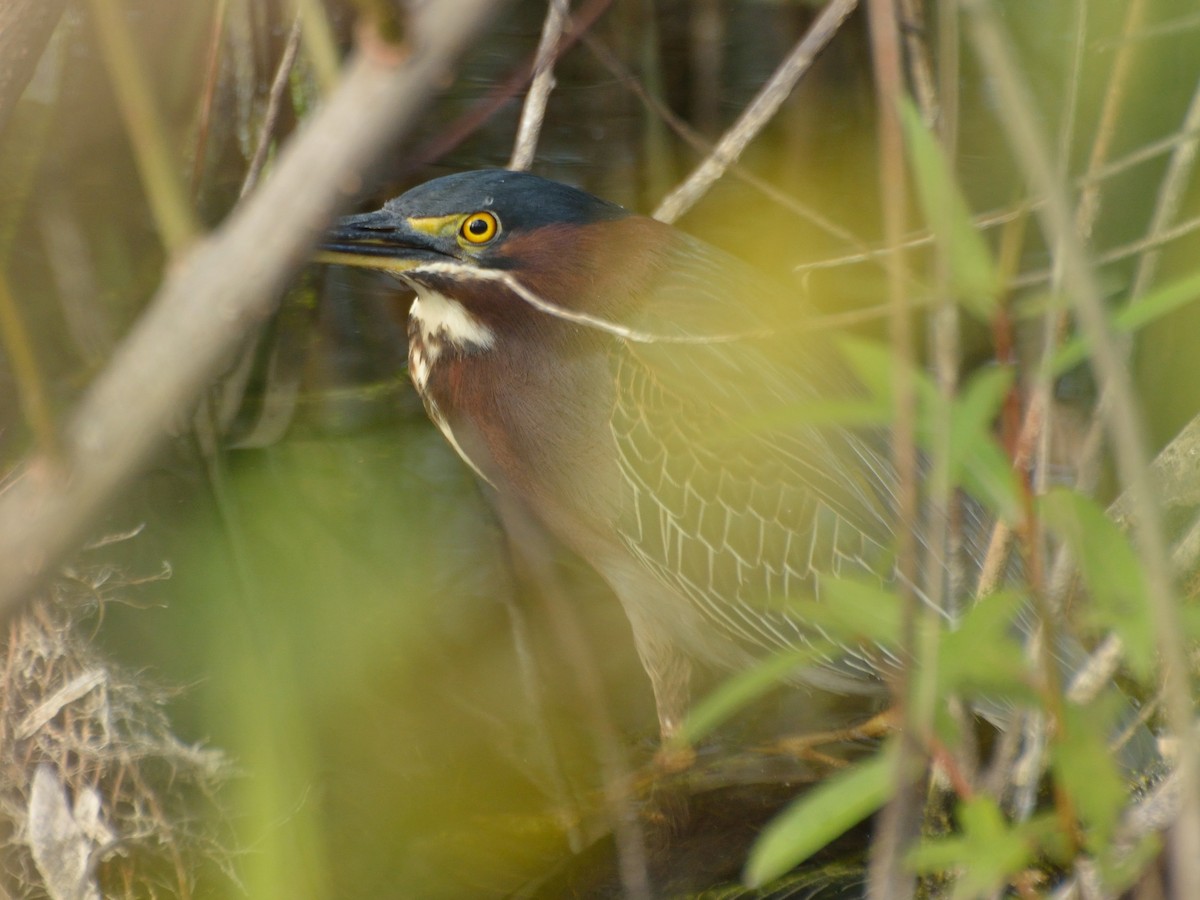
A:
(212, 69)
(496, 98)
(899, 821)
(693, 139)
(1170, 195)
(1004, 216)
(216, 291)
(758, 113)
(274, 105)
(534, 110)
(920, 63)
(1118, 80)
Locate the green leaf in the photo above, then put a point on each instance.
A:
(736, 692)
(826, 812)
(977, 461)
(873, 364)
(983, 655)
(989, 478)
(972, 270)
(853, 610)
(1085, 768)
(987, 853)
(1111, 570)
(979, 401)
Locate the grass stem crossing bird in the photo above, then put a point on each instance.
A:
(642, 395)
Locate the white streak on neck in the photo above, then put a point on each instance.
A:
(448, 321)
(443, 322)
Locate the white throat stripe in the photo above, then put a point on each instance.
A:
(440, 317)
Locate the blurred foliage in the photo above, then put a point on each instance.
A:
(343, 610)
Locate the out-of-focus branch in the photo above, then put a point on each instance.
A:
(25, 27)
(224, 285)
(899, 821)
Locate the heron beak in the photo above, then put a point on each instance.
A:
(379, 240)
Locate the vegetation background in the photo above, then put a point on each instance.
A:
(307, 560)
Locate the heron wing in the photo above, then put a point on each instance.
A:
(733, 499)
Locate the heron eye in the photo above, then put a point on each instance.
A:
(479, 228)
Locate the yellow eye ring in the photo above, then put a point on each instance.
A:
(479, 228)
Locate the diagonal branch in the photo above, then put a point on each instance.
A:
(220, 288)
(758, 113)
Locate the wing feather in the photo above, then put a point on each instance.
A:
(731, 502)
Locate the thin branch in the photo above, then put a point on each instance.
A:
(534, 110)
(1170, 194)
(274, 104)
(212, 69)
(704, 147)
(899, 821)
(1106, 128)
(215, 292)
(499, 95)
(760, 111)
(998, 217)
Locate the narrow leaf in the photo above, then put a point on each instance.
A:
(1111, 571)
(821, 815)
(853, 610)
(736, 692)
(972, 269)
(1134, 316)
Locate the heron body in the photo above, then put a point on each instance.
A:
(643, 396)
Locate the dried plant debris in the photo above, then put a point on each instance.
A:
(98, 798)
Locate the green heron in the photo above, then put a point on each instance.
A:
(628, 386)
